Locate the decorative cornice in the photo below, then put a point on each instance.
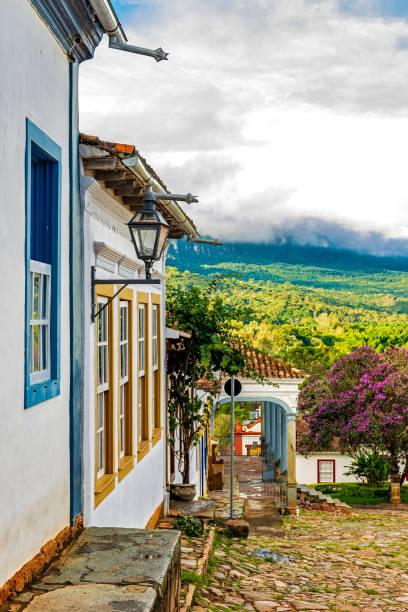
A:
(104, 208)
(114, 260)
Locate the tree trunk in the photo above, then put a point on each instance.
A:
(186, 467)
(395, 489)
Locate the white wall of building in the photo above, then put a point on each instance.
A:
(34, 442)
(306, 467)
(141, 491)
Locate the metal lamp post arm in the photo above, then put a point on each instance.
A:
(188, 197)
(158, 54)
(114, 281)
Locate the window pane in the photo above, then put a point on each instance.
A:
(106, 360)
(100, 432)
(326, 471)
(44, 346)
(44, 296)
(36, 276)
(100, 365)
(154, 320)
(36, 348)
(122, 323)
(122, 435)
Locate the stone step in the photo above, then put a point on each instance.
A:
(315, 494)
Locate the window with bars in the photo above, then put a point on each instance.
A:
(142, 376)
(43, 201)
(326, 470)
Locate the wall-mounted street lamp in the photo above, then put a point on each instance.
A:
(148, 232)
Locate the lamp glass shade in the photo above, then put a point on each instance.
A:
(148, 231)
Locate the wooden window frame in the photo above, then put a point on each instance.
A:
(126, 461)
(143, 423)
(333, 462)
(156, 380)
(43, 247)
(105, 484)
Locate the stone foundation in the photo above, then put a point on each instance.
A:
(36, 566)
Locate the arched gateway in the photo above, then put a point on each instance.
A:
(278, 397)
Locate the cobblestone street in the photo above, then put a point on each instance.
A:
(356, 563)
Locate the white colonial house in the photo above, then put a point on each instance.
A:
(40, 55)
(42, 313)
(321, 467)
(124, 435)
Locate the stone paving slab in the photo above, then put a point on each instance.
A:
(92, 597)
(263, 517)
(356, 563)
(116, 556)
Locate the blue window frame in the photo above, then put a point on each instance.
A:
(43, 282)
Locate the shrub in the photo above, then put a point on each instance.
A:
(189, 525)
(370, 466)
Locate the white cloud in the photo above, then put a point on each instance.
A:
(273, 110)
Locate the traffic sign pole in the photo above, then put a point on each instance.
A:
(232, 446)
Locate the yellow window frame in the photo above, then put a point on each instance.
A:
(126, 463)
(156, 408)
(143, 423)
(106, 483)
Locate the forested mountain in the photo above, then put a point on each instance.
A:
(303, 304)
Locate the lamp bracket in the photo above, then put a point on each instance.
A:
(189, 198)
(158, 54)
(203, 241)
(114, 281)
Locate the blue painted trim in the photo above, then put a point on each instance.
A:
(46, 148)
(278, 447)
(285, 443)
(76, 304)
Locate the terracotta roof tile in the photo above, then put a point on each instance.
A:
(121, 151)
(270, 367)
(105, 144)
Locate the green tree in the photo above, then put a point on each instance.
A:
(210, 349)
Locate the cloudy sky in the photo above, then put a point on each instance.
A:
(289, 118)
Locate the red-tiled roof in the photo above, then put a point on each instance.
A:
(131, 189)
(269, 367)
(121, 150)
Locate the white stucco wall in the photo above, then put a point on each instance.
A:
(139, 493)
(34, 443)
(306, 467)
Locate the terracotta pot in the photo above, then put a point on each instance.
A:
(185, 492)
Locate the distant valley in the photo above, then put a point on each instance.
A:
(303, 304)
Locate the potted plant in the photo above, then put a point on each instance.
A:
(208, 349)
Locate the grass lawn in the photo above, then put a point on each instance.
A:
(355, 493)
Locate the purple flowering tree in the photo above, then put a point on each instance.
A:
(360, 403)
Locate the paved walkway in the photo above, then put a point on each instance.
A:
(356, 563)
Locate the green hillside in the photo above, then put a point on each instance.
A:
(304, 304)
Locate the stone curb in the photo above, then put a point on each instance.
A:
(202, 567)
